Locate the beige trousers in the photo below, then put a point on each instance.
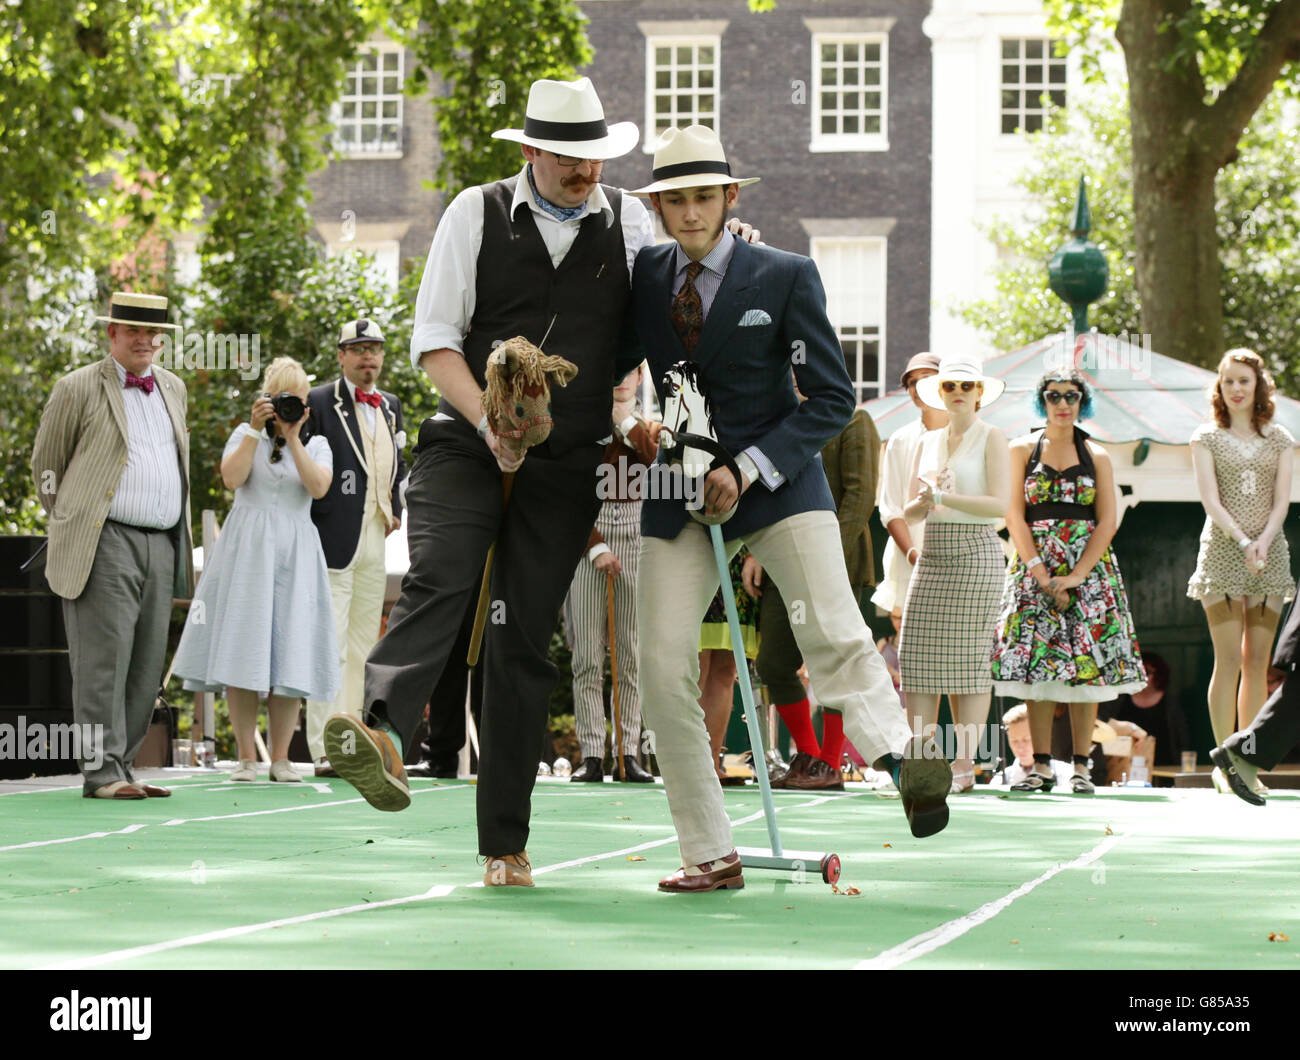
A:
(358, 597)
(675, 583)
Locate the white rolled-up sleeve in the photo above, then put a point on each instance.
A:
(445, 305)
(638, 229)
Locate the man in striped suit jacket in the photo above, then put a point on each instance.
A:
(111, 463)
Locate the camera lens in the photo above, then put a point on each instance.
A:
(289, 407)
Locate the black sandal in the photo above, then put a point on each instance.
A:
(1035, 782)
(1081, 785)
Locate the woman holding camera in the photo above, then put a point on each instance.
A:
(262, 622)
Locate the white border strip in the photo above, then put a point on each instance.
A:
(928, 941)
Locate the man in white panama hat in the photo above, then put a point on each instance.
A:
(745, 315)
(546, 254)
(111, 463)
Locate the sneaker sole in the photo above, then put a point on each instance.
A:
(924, 783)
(364, 767)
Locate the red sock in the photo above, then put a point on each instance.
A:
(832, 738)
(798, 719)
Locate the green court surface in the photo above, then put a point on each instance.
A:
(228, 875)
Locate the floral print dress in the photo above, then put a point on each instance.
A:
(1089, 652)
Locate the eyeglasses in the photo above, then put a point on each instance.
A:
(1055, 397)
(276, 454)
(950, 387)
(569, 162)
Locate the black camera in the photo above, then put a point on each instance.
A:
(289, 407)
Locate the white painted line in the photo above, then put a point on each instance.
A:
(928, 941)
(437, 891)
(235, 932)
(73, 838)
(197, 820)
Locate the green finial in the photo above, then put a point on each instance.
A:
(1078, 271)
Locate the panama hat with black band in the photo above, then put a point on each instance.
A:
(690, 158)
(138, 310)
(566, 118)
(959, 368)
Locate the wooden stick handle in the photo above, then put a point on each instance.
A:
(480, 612)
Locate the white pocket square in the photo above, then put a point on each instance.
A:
(754, 317)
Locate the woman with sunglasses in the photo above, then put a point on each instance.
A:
(960, 487)
(1242, 463)
(262, 620)
(1065, 634)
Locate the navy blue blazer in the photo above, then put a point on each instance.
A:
(745, 373)
(338, 514)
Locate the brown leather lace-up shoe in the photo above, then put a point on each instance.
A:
(367, 759)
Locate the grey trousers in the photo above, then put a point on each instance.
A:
(117, 644)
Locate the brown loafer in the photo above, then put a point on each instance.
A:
(724, 874)
(808, 773)
(509, 870)
(324, 769)
(119, 789)
(152, 791)
(367, 759)
(924, 781)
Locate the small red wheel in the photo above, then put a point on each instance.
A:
(831, 868)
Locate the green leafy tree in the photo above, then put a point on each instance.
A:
(1256, 223)
(1198, 70)
(482, 58)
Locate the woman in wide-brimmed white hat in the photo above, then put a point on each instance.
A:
(960, 488)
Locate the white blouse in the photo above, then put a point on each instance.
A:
(968, 475)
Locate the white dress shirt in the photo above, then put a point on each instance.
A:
(445, 304)
(148, 494)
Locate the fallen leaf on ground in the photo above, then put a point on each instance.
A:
(1278, 936)
(635, 857)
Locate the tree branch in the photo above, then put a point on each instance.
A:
(1276, 44)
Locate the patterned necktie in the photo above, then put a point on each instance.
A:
(145, 383)
(688, 311)
(371, 399)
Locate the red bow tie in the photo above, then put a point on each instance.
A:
(145, 383)
(371, 399)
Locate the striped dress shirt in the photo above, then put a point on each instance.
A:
(148, 494)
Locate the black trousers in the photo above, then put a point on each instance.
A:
(447, 704)
(1276, 728)
(455, 513)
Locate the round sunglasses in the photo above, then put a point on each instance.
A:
(950, 386)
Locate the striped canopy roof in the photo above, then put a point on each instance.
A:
(1136, 393)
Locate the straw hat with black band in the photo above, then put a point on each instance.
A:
(691, 158)
(138, 310)
(566, 118)
(959, 368)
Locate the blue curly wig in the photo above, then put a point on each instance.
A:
(1064, 376)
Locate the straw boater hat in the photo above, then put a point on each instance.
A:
(566, 118)
(363, 330)
(690, 158)
(960, 368)
(142, 310)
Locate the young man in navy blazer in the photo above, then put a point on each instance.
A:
(746, 314)
(363, 426)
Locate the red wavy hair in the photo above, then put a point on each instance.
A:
(1263, 407)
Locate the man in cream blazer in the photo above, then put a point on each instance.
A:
(111, 464)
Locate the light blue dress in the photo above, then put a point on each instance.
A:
(263, 618)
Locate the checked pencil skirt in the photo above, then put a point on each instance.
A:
(951, 614)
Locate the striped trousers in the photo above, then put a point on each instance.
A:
(619, 522)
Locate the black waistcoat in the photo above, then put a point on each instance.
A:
(581, 304)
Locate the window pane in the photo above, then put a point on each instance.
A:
(1009, 123)
(850, 123)
(390, 108)
(705, 78)
(871, 100)
(369, 133)
(1033, 49)
(850, 53)
(706, 103)
(851, 100)
(683, 55)
(830, 75)
(829, 100)
(1011, 75)
(349, 110)
(368, 110)
(851, 75)
(663, 56)
(871, 52)
(1010, 100)
(1057, 98)
(828, 53)
(828, 123)
(1034, 75)
(706, 55)
(392, 60)
(391, 87)
(706, 121)
(1010, 49)
(871, 123)
(1033, 122)
(684, 105)
(369, 61)
(1056, 73)
(871, 75)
